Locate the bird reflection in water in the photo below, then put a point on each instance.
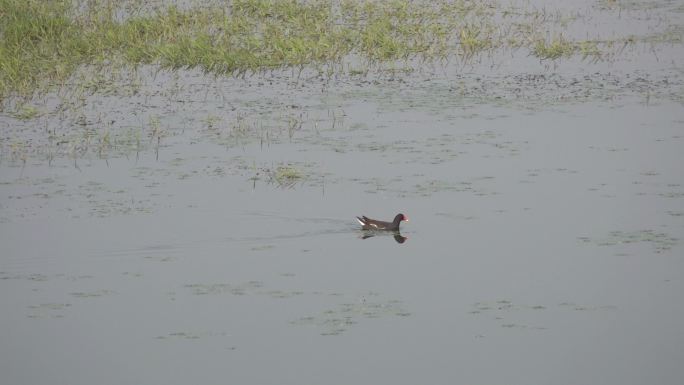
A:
(371, 227)
(397, 235)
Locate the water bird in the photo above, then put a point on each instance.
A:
(372, 224)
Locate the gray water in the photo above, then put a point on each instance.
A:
(544, 245)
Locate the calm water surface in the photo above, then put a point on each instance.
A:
(544, 247)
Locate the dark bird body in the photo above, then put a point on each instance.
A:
(372, 224)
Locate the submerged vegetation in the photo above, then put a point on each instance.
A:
(286, 176)
(44, 42)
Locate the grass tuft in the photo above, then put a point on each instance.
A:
(286, 176)
(27, 112)
(556, 48)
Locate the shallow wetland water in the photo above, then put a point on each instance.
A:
(181, 228)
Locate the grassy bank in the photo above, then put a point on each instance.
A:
(43, 41)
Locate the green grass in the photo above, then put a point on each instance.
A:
(38, 42)
(286, 176)
(287, 172)
(473, 39)
(27, 112)
(556, 48)
(559, 47)
(44, 41)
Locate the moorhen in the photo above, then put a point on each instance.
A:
(372, 224)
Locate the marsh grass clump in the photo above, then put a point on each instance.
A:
(286, 176)
(553, 49)
(286, 172)
(44, 42)
(590, 49)
(474, 39)
(27, 112)
(38, 42)
(559, 47)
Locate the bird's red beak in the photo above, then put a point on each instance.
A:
(406, 219)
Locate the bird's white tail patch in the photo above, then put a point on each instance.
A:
(360, 221)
